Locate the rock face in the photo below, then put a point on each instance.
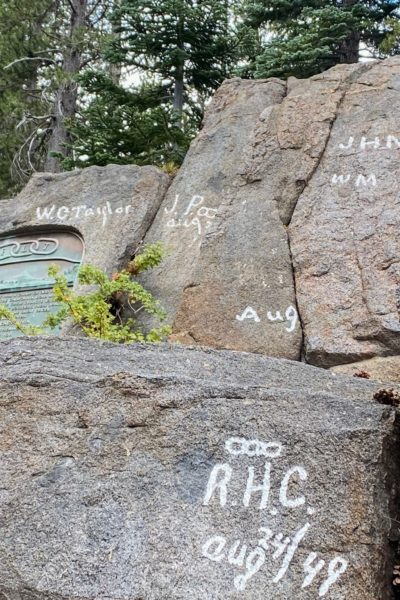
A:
(320, 157)
(110, 207)
(227, 281)
(380, 368)
(344, 231)
(281, 227)
(157, 472)
(290, 139)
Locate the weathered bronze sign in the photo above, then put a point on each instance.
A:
(25, 286)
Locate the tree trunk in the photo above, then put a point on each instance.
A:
(179, 85)
(178, 96)
(349, 48)
(67, 93)
(115, 69)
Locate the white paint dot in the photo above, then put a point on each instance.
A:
(310, 511)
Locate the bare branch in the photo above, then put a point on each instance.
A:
(28, 118)
(39, 117)
(85, 63)
(95, 6)
(52, 36)
(99, 18)
(29, 154)
(41, 58)
(22, 164)
(17, 163)
(71, 6)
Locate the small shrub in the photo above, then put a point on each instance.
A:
(98, 313)
(6, 313)
(170, 168)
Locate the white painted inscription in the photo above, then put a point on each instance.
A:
(389, 142)
(263, 489)
(359, 180)
(193, 215)
(80, 212)
(290, 317)
(237, 446)
(249, 313)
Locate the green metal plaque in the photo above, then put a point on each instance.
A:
(25, 286)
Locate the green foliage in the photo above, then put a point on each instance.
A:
(123, 127)
(176, 38)
(21, 24)
(42, 49)
(305, 37)
(390, 43)
(180, 50)
(170, 167)
(98, 313)
(150, 257)
(8, 315)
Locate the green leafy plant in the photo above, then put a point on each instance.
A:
(170, 167)
(6, 313)
(99, 313)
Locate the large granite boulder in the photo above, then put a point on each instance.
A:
(165, 472)
(227, 279)
(280, 229)
(290, 138)
(110, 207)
(318, 156)
(344, 231)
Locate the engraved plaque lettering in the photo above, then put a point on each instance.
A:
(25, 286)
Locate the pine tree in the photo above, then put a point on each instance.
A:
(187, 45)
(44, 46)
(21, 99)
(305, 37)
(76, 29)
(177, 52)
(121, 126)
